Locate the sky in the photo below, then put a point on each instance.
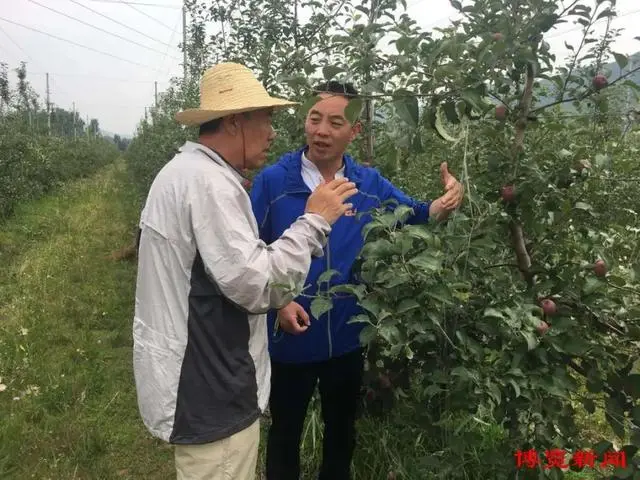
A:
(110, 67)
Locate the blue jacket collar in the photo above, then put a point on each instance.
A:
(294, 183)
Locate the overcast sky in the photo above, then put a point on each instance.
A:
(115, 89)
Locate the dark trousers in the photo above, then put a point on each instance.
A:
(292, 386)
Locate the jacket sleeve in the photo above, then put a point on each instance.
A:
(261, 203)
(251, 274)
(388, 191)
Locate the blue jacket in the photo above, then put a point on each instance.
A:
(279, 196)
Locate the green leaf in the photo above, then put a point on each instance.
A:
(330, 71)
(427, 262)
(407, 304)
(368, 334)
(589, 405)
(358, 291)
(306, 106)
(456, 4)
(583, 206)
(592, 285)
(625, 472)
(353, 110)
(408, 110)
(492, 312)
(601, 447)
(614, 416)
(516, 387)
(320, 306)
(532, 341)
(362, 318)
(635, 414)
(327, 275)
(370, 305)
(606, 13)
(402, 212)
(439, 126)
(632, 385)
(621, 59)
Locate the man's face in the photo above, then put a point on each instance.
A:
(327, 129)
(258, 136)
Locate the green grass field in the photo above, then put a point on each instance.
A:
(68, 399)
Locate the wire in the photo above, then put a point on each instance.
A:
(79, 45)
(144, 4)
(120, 23)
(100, 29)
(580, 27)
(17, 45)
(130, 5)
(100, 77)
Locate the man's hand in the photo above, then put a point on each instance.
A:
(293, 319)
(328, 199)
(452, 199)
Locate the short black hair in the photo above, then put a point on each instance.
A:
(212, 126)
(346, 89)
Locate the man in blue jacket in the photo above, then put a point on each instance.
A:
(306, 351)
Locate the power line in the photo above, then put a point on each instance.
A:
(17, 45)
(110, 79)
(144, 4)
(130, 5)
(120, 23)
(99, 28)
(580, 27)
(79, 45)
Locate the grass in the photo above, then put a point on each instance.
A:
(69, 409)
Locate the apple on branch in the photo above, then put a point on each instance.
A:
(548, 307)
(508, 193)
(599, 81)
(600, 268)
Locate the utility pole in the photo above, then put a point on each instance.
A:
(48, 106)
(156, 94)
(184, 42)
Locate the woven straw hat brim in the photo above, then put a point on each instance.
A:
(198, 116)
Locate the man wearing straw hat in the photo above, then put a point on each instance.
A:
(205, 281)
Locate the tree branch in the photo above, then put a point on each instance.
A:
(587, 94)
(517, 234)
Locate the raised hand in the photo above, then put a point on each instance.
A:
(328, 199)
(454, 191)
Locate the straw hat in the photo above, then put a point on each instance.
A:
(226, 89)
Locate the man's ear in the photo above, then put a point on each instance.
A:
(356, 129)
(231, 124)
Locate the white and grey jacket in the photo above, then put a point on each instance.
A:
(205, 281)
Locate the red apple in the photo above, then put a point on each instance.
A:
(501, 112)
(497, 36)
(508, 193)
(246, 183)
(599, 81)
(385, 382)
(542, 328)
(600, 268)
(549, 307)
(371, 395)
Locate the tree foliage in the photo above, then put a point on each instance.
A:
(459, 305)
